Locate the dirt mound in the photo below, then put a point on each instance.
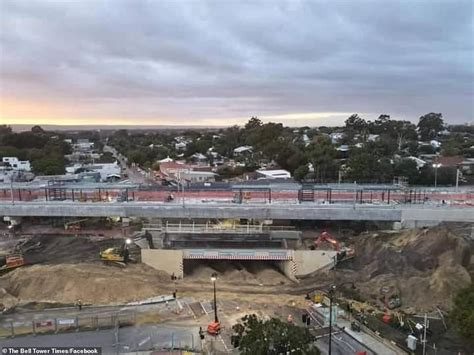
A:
(7, 300)
(426, 266)
(231, 272)
(97, 284)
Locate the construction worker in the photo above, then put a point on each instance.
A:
(79, 304)
(290, 318)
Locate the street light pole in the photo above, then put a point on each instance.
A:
(214, 278)
(457, 179)
(331, 295)
(436, 166)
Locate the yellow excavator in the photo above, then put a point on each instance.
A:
(116, 255)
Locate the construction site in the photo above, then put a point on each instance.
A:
(269, 267)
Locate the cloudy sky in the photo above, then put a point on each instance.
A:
(220, 62)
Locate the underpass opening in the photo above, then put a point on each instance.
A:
(244, 272)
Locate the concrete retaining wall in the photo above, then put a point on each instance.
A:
(309, 261)
(288, 268)
(170, 261)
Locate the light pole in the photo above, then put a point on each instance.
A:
(457, 178)
(436, 166)
(214, 279)
(332, 289)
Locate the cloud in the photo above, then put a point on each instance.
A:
(195, 62)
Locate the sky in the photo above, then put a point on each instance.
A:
(220, 62)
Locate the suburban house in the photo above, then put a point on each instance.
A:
(419, 162)
(273, 174)
(14, 164)
(105, 171)
(198, 176)
(243, 150)
(199, 158)
(173, 169)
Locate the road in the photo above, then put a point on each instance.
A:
(342, 344)
(133, 174)
(130, 339)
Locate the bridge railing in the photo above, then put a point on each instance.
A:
(205, 228)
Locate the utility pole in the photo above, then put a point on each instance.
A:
(424, 334)
(182, 184)
(355, 193)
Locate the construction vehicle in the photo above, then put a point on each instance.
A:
(390, 297)
(74, 225)
(10, 262)
(116, 255)
(214, 328)
(315, 296)
(343, 252)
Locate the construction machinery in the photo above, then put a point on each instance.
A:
(315, 296)
(390, 297)
(214, 328)
(343, 252)
(10, 262)
(116, 255)
(74, 225)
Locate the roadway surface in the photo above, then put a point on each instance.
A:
(130, 339)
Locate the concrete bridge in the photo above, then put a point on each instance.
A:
(409, 215)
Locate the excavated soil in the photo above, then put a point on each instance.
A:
(97, 284)
(234, 272)
(426, 267)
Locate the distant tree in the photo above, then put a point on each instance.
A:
(49, 165)
(407, 168)
(37, 130)
(321, 154)
(253, 123)
(364, 166)
(272, 337)
(462, 314)
(356, 123)
(430, 125)
(4, 129)
(289, 156)
(300, 173)
(381, 125)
